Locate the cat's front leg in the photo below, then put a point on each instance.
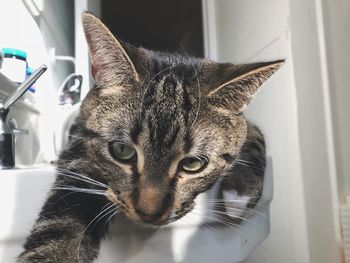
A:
(244, 180)
(68, 229)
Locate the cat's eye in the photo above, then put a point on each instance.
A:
(193, 165)
(122, 152)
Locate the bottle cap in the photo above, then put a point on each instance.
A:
(15, 52)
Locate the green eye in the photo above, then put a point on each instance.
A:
(122, 152)
(193, 165)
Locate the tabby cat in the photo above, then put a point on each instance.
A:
(157, 130)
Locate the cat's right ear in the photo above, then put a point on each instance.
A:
(239, 84)
(111, 65)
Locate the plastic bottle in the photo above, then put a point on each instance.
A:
(14, 65)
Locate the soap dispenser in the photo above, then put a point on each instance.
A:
(7, 147)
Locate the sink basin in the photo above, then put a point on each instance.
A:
(23, 192)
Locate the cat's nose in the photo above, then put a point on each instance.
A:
(147, 218)
(151, 203)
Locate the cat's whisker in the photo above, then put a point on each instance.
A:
(115, 209)
(243, 209)
(62, 197)
(222, 214)
(247, 164)
(101, 214)
(239, 163)
(228, 200)
(233, 206)
(79, 190)
(232, 215)
(245, 161)
(226, 214)
(103, 207)
(102, 211)
(245, 235)
(234, 226)
(221, 219)
(81, 177)
(109, 218)
(232, 202)
(207, 225)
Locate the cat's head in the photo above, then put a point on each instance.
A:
(167, 127)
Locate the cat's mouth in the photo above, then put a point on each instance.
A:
(154, 220)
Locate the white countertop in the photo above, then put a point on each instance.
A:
(23, 192)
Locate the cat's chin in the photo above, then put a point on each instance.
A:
(153, 225)
(156, 224)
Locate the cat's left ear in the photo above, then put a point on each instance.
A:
(111, 64)
(241, 84)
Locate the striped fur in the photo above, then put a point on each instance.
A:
(167, 107)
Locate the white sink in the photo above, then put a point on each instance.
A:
(23, 192)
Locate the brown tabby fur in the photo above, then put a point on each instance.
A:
(167, 107)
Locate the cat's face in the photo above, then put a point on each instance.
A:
(167, 127)
(162, 148)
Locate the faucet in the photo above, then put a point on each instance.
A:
(7, 147)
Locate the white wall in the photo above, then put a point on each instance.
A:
(56, 23)
(293, 112)
(83, 66)
(337, 29)
(315, 130)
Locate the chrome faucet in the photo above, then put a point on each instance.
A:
(7, 147)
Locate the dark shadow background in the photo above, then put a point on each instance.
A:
(165, 25)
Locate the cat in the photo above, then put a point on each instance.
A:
(157, 130)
